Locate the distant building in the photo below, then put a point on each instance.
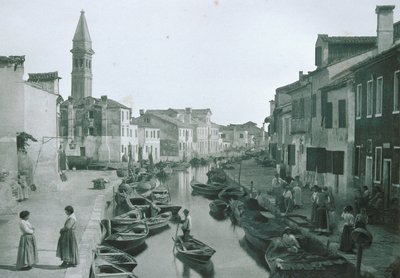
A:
(176, 134)
(30, 107)
(245, 135)
(95, 129)
(149, 139)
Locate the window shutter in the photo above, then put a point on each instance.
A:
(338, 163)
(321, 160)
(311, 163)
(328, 115)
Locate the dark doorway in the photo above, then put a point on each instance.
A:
(83, 151)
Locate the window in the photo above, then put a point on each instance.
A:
(328, 115)
(241, 135)
(122, 115)
(223, 136)
(123, 131)
(91, 131)
(136, 133)
(379, 90)
(342, 113)
(81, 63)
(158, 134)
(127, 115)
(359, 101)
(294, 109)
(396, 91)
(122, 148)
(91, 114)
(357, 161)
(313, 106)
(130, 132)
(378, 163)
(147, 134)
(75, 63)
(90, 64)
(396, 165)
(370, 103)
(292, 154)
(301, 108)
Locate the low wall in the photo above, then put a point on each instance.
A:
(92, 235)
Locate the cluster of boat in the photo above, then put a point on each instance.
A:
(148, 211)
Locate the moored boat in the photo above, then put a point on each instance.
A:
(311, 260)
(161, 194)
(218, 206)
(210, 190)
(193, 249)
(103, 269)
(130, 238)
(116, 257)
(167, 207)
(232, 192)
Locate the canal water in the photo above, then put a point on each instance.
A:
(233, 257)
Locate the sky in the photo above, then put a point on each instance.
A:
(226, 55)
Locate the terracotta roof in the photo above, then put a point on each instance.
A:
(95, 101)
(47, 76)
(167, 118)
(348, 39)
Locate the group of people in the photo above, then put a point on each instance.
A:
(67, 247)
(288, 193)
(322, 209)
(351, 223)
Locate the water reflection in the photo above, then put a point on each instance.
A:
(230, 260)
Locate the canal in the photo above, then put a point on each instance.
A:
(233, 258)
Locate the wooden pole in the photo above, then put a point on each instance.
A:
(359, 258)
(240, 171)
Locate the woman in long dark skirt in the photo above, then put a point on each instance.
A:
(314, 205)
(346, 242)
(67, 247)
(322, 224)
(27, 251)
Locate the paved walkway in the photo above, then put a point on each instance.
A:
(386, 240)
(47, 216)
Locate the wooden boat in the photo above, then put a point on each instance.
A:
(127, 240)
(167, 207)
(158, 222)
(218, 206)
(210, 190)
(119, 224)
(311, 260)
(193, 249)
(260, 235)
(116, 257)
(104, 269)
(232, 192)
(128, 217)
(161, 194)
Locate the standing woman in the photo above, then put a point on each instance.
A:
(346, 242)
(27, 251)
(67, 247)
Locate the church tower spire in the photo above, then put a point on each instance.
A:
(81, 81)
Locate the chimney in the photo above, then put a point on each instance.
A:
(300, 75)
(188, 115)
(141, 112)
(104, 98)
(385, 27)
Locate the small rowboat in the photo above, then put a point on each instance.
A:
(116, 257)
(156, 222)
(218, 206)
(128, 217)
(193, 249)
(130, 238)
(161, 194)
(232, 192)
(309, 261)
(167, 207)
(210, 190)
(103, 269)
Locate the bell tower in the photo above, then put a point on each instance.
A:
(81, 76)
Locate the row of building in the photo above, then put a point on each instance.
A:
(339, 125)
(96, 129)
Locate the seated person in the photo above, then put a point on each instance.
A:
(290, 241)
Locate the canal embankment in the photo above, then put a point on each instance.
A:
(375, 259)
(48, 217)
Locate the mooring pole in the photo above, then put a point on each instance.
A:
(359, 258)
